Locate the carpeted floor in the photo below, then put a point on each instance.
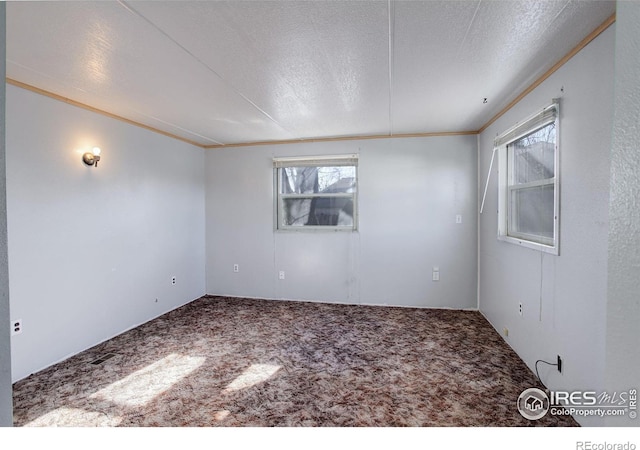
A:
(243, 362)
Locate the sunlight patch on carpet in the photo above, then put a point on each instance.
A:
(144, 385)
(314, 365)
(221, 415)
(256, 373)
(73, 417)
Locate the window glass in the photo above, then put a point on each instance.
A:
(316, 194)
(534, 156)
(528, 203)
(532, 212)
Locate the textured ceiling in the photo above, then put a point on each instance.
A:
(228, 72)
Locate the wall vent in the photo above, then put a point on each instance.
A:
(102, 359)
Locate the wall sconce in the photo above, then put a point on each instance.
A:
(91, 159)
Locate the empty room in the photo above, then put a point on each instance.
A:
(320, 214)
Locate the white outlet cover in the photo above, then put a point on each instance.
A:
(281, 275)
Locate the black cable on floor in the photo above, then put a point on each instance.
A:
(545, 362)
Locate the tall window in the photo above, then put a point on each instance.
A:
(528, 207)
(316, 193)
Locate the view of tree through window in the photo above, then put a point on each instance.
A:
(532, 185)
(318, 196)
(528, 181)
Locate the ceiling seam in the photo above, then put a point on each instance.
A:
(90, 108)
(590, 37)
(231, 86)
(391, 20)
(249, 42)
(594, 34)
(574, 51)
(185, 130)
(344, 138)
(556, 16)
(102, 112)
(475, 13)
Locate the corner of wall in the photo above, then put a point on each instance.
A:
(6, 397)
(562, 297)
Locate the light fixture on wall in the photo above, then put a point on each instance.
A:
(92, 158)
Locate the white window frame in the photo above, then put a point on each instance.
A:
(280, 163)
(548, 115)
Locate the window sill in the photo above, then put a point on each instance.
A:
(553, 250)
(316, 230)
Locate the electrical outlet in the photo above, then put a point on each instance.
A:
(173, 280)
(520, 309)
(435, 276)
(459, 218)
(281, 275)
(505, 331)
(236, 268)
(16, 327)
(559, 364)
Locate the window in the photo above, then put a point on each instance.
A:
(528, 206)
(316, 193)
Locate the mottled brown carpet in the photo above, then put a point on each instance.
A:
(243, 362)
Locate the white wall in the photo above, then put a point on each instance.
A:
(564, 297)
(6, 400)
(623, 308)
(90, 249)
(410, 191)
